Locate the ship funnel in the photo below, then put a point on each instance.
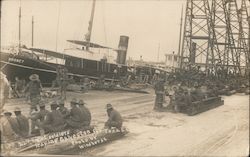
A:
(122, 50)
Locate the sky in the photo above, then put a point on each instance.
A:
(151, 25)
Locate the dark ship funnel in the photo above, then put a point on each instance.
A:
(122, 50)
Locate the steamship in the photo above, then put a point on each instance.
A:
(35, 60)
(28, 62)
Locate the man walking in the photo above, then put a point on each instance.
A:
(34, 88)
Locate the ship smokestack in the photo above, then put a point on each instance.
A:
(122, 50)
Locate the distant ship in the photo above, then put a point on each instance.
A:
(35, 60)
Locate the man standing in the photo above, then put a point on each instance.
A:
(86, 112)
(159, 91)
(115, 119)
(34, 88)
(53, 120)
(23, 122)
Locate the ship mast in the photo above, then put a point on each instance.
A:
(19, 30)
(88, 35)
(0, 23)
(32, 32)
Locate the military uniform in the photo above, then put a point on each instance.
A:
(14, 125)
(23, 125)
(86, 113)
(76, 118)
(64, 111)
(159, 91)
(115, 119)
(53, 121)
(7, 133)
(34, 88)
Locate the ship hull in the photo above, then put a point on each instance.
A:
(22, 67)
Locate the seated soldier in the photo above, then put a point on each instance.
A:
(115, 119)
(86, 113)
(13, 123)
(76, 118)
(37, 118)
(64, 111)
(23, 122)
(7, 132)
(197, 94)
(53, 120)
(184, 100)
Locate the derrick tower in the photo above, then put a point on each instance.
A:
(196, 35)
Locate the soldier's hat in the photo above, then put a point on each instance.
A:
(17, 109)
(73, 101)
(109, 106)
(53, 104)
(6, 111)
(34, 77)
(81, 102)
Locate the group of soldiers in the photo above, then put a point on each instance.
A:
(59, 118)
(190, 85)
(41, 121)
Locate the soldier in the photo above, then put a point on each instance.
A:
(159, 91)
(33, 113)
(53, 120)
(197, 94)
(101, 82)
(13, 122)
(34, 87)
(22, 122)
(115, 119)
(7, 133)
(183, 99)
(37, 118)
(76, 117)
(64, 111)
(19, 86)
(4, 90)
(64, 83)
(86, 112)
